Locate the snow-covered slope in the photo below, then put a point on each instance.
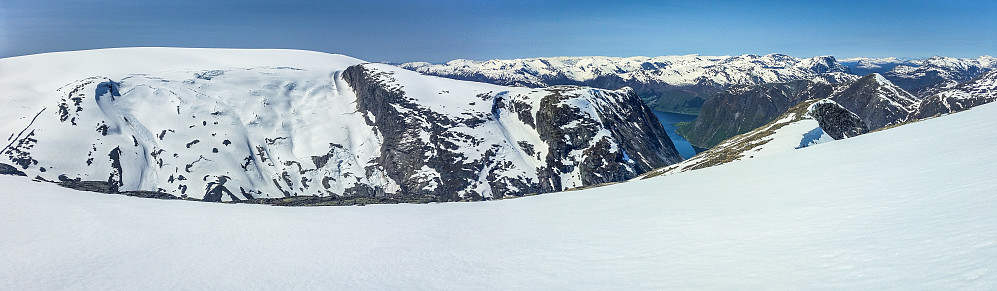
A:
(668, 83)
(878, 211)
(225, 125)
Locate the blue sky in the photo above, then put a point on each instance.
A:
(435, 31)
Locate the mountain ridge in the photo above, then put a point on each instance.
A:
(667, 83)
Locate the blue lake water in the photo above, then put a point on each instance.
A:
(668, 121)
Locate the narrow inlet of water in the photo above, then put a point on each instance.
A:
(668, 121)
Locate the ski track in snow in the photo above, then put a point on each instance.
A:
(907, 208)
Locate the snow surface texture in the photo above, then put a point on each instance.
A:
(858, 213)
(224, 125)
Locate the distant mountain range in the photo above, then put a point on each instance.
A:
(683, 83)
(734, 94)
(668, 83)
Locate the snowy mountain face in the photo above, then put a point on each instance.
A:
(741, 109)
(667, 83)
(225, 125)
(980, 90)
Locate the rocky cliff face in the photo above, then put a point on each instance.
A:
(873, 98)
(668, 83)
(573, 136)
(324, 125)
(836, 120)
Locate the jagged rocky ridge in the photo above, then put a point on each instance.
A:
(228, 125)
(741, 109)
(667, 83)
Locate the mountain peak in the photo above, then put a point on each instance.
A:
(880, 79)
(875, 79)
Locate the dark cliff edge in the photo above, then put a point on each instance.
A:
(634, 146)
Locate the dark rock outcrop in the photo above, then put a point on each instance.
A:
(836, 121)
(6, 169)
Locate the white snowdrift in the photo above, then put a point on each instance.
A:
(911, 207)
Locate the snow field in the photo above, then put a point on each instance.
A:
(897, 209)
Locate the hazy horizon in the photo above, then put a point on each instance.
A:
(438, 31)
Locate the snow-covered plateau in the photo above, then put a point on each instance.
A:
(227, 125)
(905, 208)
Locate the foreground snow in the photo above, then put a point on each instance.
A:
(908, 207)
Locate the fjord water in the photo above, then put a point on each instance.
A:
(668, 121)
